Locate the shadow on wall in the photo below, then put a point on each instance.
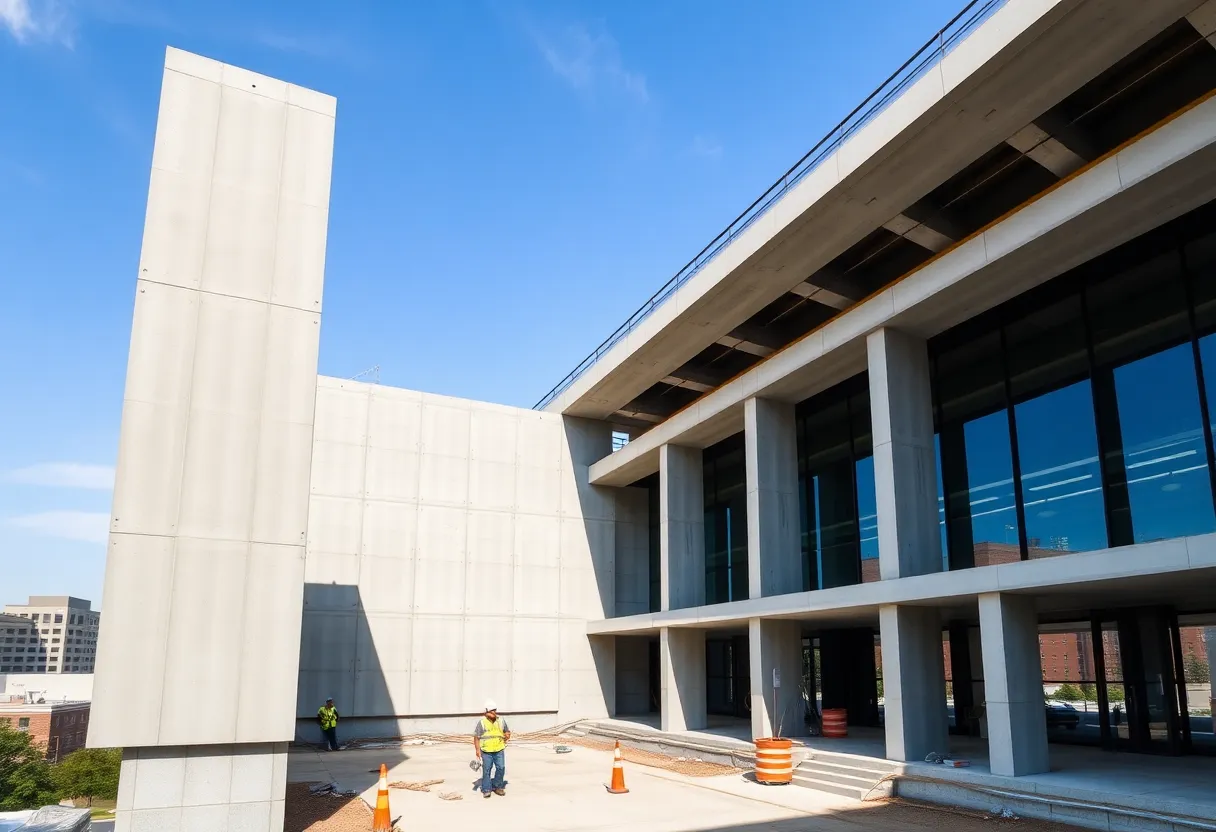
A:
(587, 442)
(339, 659)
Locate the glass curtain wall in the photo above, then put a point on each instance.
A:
(725, 521)
(1076, 416)
(837, 504)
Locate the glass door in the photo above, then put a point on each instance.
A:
(1139, 706)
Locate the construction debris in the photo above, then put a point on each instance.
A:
(423, 786)
(332, 789)
(450, 796)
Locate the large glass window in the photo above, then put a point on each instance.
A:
(725, 521)
(839, 512)
(1080, 415)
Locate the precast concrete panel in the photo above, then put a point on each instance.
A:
(210, 514)
(473, 522)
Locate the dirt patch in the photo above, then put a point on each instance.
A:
(324, 812)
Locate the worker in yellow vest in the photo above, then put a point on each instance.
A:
(327, 715)
(490, 741)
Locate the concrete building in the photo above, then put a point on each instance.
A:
(944, 382)
(49, 634)
(59, 687)
(57, 727)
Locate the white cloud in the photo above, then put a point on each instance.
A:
(589, 61)
(33, 20)
(89, 526)
(706, 148)
(65, 474)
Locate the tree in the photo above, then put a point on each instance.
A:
(1068, 692)
(91, 773)
(1196, 670)
(1089, 692)
(25, 775)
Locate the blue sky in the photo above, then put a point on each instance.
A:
(511, 180)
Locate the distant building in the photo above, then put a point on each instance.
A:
(49, 634)
(58, 727)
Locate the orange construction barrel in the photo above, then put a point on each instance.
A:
(774, 762)
(835, 722)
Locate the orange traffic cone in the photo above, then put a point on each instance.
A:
(618, 773)
(382, 821)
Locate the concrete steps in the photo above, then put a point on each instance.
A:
(845, 775)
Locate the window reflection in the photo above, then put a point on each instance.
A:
(1061, 484)
(1165, 486)
(836, 487)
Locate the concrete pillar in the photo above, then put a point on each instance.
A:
(774, 552)
(681, 527)
(682, 663)
(905, 472)
(776, 645)
(1013, 682)
(914, 682)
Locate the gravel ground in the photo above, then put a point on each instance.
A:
(324, 813)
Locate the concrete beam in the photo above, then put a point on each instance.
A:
(920, 233)
(1013, 682)
(905, 473)
(774, 557)
(914, 682)
(683, 684)
(1048, 151)
(681, 527)
(750, 347)
(1204, 21)
(821, 295)
(776, 646)
(687, 384)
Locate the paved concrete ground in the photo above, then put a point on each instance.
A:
(547, 791)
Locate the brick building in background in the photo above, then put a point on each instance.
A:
(58, 727)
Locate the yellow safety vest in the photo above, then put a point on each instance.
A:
(492, 738)
(329, 717)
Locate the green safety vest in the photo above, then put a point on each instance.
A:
(328, 716)
(492, 738)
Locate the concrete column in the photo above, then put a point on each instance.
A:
(914, 682)
(905, 473)
(1013, 682)
(682, 663)
(212, 787)
(681, 527)
(776, 645)
(774, 555)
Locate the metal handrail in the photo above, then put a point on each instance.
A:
(925, 58)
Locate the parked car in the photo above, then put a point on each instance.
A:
(1062, 715)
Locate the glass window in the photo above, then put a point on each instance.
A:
(836, 487)
(725, 485)
(867, 509)
(1156, 461)
(1139, 310)
(1061, 483)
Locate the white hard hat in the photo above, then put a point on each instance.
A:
(490, 705)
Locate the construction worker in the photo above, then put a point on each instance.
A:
(490, 741)
(327, 715)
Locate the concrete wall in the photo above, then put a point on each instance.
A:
(205, 568)
(455, 553)
(632, 551)
(632, 675)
